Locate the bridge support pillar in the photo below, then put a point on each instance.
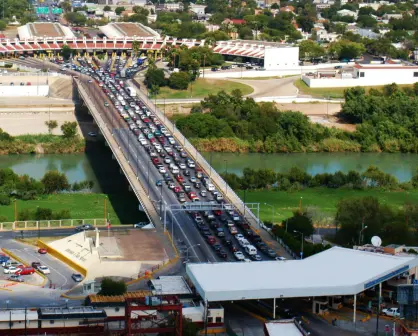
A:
(274, 308)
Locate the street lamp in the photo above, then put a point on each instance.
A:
(272, 215)
(226, 173)
(301, 252)
(360, 238)
(187, 252)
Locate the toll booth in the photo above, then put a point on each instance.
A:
(335, 302)
(320, 305)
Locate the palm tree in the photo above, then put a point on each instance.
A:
(135, 48)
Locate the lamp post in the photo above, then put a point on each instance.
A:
(226, 173)
(301, 252)
(272, 215)
(300, 204)
(187, 252)
(360, 238)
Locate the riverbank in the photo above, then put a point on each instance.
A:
(81, 206)
(42, 144)
(323, 201)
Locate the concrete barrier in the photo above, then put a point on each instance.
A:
(63, 258)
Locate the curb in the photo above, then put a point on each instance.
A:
(12, 255)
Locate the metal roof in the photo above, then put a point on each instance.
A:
(170, 285)
(337, 271)
(118, 298)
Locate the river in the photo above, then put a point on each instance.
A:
(98, 166)
(402, 166)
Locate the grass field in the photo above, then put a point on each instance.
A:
(81, 206)
(330, 92)
(202, 88)
(324, 199)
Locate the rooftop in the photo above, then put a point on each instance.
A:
(127, 29)
(166, 285)
(18, 315)
(282, 327)
(325, 274)
(44, 29)
(385, 66)
(118, 298)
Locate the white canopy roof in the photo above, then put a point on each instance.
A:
(337, 271)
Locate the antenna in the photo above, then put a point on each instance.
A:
(376, 241)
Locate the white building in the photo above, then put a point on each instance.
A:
(347, 12)
(368, 75)
(324, 36)
(392, 16)
(199, 10)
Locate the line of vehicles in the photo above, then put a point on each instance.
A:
(224, 230)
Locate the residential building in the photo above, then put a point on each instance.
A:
(374, 5)
(324, 36)
(199, 10)
(233, 21)
(170, 7)
(347, 12)
(288, 9)
(268, 3)
(392, 16)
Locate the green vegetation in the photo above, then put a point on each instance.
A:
(322, 202)
(335, 93)
(110, 287)
(202, 88)
(21, 9)
(40, 143)
(81, 206)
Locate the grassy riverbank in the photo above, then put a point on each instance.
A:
(202, 88)
(82, 206)
(323, 199)
(41, 143)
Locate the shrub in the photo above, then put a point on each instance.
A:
(4, 200)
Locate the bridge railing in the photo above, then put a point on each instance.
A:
(118, 131)
(215, 177)
(48, 224)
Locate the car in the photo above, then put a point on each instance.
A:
(16, 278)
(42, 251)
(255, 257)
(159, 183)
(162, 170)
(106, 104)
(338, 67)
(239, 256)
(26, 271)
(233, 248)
(140, 225)
(77, 277)
(222, 254)
(239, 236)
(36, 264)
(92, 134)
(393, 312)
(84, 227)
(43, 269)
(217, 247)
(10, 270)
(279, 258)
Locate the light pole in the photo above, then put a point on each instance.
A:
(187, 252)
(300, 204)
(226, 173)
(360, 238)
(272, 215)
(301, 252)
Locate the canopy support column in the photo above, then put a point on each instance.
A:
(355, 308)
(274, 308)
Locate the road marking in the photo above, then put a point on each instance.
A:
(35, 256)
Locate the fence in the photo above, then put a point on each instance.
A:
(45, 224)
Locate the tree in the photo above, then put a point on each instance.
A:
(305, 22)
(300, 222)
(344, 49)
(51, 124)
(154, 77)
(112, 287)
(75, 18)
(309, 49)
(69, 129)
(66, 6)
(66, 52)
(179, 80)
(366, 21)
(54, 181)
(3, 25)
(135, 47)
(119, 10)
(107, 8)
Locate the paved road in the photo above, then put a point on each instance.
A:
(271, 87)
(60, 276)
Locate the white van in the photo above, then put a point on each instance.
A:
(175, 170)
(250, 249)
(243, 242)
(210, 187)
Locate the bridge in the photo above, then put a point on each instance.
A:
(160, 204)
(90, 45)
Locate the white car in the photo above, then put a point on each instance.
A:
(167, 160)
(11, 270)
(44, 269)
(162, 170)
(239, 256)
(239, 236)
(182, 166)
(143, 141)
(393, 312)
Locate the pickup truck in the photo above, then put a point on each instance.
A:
(393, 312)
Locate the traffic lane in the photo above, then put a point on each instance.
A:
(60, 275)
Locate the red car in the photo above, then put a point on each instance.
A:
(42, 251)
(26, 271)
(218, 212)
(192, 195)
(177, 189)
(179, 178)
(146, 120)
(155, 161)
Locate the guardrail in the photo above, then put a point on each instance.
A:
(47, 224)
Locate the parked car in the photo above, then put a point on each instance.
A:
(44, 269)
(42, 251)
(10, 270)
(26, 271)
(77, 277)
(393, 312)
(84, 227)
(15, 277)
(36, 264)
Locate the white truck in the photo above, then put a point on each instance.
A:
(393, 312)
(131, 91)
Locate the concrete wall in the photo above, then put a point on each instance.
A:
(277, 58)
(24, 90)
(372, 77)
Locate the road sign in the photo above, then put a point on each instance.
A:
(56, 11)
(42, 10)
